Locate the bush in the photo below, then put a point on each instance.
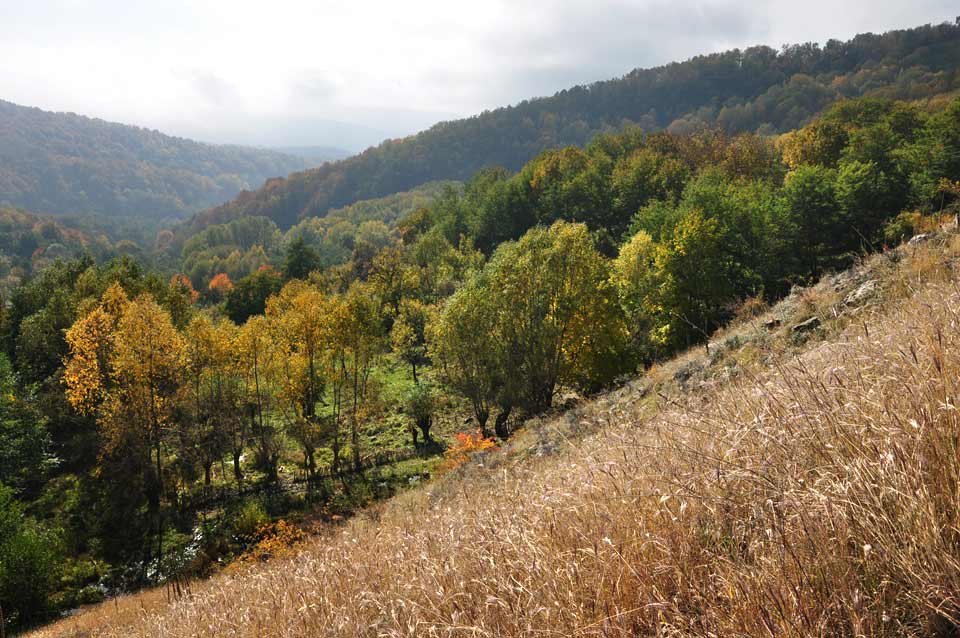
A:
(750, 308)
(466, 446)
(249, 518)
(902, 227)
(272, 540)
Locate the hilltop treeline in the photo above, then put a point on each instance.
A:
(581, 267)
(753, 90)
(61, 163)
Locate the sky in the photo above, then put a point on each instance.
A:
(352, 73)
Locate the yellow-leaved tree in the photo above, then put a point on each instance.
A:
(359, 340)
(210, 415)
(125, 364)
(299, 323)
(255, 355)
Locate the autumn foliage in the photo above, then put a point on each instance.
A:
(220, 285)
(272, 540)
(182, 282)
(467, 444)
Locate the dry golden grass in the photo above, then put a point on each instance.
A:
(818, 495)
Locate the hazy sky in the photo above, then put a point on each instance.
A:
(301, 72)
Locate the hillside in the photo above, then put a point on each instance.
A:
(794, 481)
(757, 89)
(29, 243)
(316, 155)
(62, 163)
(304, 392)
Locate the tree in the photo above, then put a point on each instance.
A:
(125, 363)
(230, 404)
(24, 439)
(90, 341)
(300, 260)
(408, 335)
(570, 184)
(29, 564)
(543, 313)
(357, 330)
(634, 273)
(644, 176)
(220, 286)
(934, 155)
(863, 192)
(559, 322)
(298, 318)
(207, 404)
(182, 283)
(420, 404)
(813, 214)
(392, 279)
(463, 343)
(249, 295)
(694, 282)
(256, 360)
(178, 299)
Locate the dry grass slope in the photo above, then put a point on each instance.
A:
(810, 495)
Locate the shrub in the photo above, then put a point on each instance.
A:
(248, 520)
(902, 227)
(466, 446)
(272, 540)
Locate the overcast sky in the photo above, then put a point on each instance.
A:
(349, 73)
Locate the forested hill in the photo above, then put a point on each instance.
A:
(63, 163)
(757, 89)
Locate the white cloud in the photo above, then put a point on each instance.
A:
(287, 71)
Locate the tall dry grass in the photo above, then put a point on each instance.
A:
(817, 498)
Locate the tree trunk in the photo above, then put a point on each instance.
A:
(355, 442)
(159, 543)
(336, 454)
(424, 425)
(207, 467)
(159, 505)
(500, 425)
(482, 416)
(237, 472)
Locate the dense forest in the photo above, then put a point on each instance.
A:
(753, 90)
(61, 163)
(240, 247)
(29, 243)
(131, 398)
(316, 155)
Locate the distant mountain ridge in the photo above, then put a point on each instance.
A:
(63, 163)
(756, 89)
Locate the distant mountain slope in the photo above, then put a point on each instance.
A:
(315, 155)
(29, 243)
(63, 163)
(757, 89)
